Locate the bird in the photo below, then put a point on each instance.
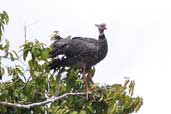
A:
(81, 52)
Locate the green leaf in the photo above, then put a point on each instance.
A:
(26, 51)
(12, 57)
(10, 70)
(83, 112)
(0, 32)
(74, 112)
(126, 82)
(45, 53)
(3, 20)
(16, 55)
(6, 17)
(7, 45)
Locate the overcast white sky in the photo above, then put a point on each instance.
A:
(139, 37)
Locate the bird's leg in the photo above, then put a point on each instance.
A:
(89, 76)
(85, 82)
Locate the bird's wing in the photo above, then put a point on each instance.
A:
(89, 40)
(81, 46)
(75, 46)
(58, 46)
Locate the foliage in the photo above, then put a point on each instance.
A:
(32, 81)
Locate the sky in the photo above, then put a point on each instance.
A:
(138, 34)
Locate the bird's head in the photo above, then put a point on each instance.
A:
(101, 27)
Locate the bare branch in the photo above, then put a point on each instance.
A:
(50, 100)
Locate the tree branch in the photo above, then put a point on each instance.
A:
(50, 100)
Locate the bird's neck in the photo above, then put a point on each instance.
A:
(101, 36)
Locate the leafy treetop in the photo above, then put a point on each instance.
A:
(33, 87)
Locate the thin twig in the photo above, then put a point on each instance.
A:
(50, 100)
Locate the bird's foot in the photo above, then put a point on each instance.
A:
(91, 96)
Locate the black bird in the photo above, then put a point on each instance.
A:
(80, 52)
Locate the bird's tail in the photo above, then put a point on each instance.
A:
(57, 63)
